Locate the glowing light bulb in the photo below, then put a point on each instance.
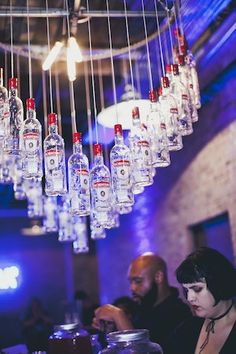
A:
(71, 68)
(52, 55)
(75, 49)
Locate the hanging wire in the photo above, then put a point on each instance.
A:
(111, 58)
(159, 39)
(178, 7)
(18, 73)
(147, 47)
(49, 48)
(92, 74)
(71, 84)
(165, 45)
(11, 29)
(101, 90)
(29, 53)
(129, 48)
(176, 25)
(6, 67)
(88, 105)
(58, 102)
(157, 49)
(170, 33)
(137, 74)
(45, 113)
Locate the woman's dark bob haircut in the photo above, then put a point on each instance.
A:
(209, 265)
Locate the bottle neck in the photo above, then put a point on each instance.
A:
(153, 106)
(77, 148)
(1, 81)
(52, 129)
(13, 92)
(165, 90)
(98, 160)
(31, 114)
(119, 139)
(136, 122)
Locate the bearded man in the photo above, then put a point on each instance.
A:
(160, 309)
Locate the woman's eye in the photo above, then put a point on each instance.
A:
(197, 289)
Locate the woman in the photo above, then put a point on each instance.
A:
(209, 282)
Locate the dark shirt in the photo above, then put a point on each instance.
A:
(184, 339)
(163, 318)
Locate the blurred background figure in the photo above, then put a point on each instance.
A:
(85, 307)
(37, 327)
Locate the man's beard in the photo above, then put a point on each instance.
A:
(148, 300)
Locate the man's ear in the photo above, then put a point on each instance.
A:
(159, 276)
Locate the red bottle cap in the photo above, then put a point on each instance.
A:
(135, 112)
(177, 32)
(160, 91)
(175, 69)
(181, 60)
(13, 83)
(165, 81)
(118, 129)
(77, 137)
(97, 149)
(1, 73)
(168, 68)
(30, 103)
(152, 95)
(52, 118)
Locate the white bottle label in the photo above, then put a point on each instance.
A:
(122, 168)
(53, 158)
(84, 177)
(30, 141)
(102, 189)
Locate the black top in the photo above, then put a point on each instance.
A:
(184, 338)
(162, 319)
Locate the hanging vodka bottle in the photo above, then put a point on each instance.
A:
(156, 129)
(140, 152)
(80, 245)
(34, 195)
(32, 143)
(169, 112)
(78, 179)
(186, 78)
(101, 194)
(4, 111)
(16, 118)
(97, 231)
(181, 93)
(121, 176)
(6, 167)
(189, 59)
(124, 210)
(65, 233)
(54, 160)
(50, 214)
(19, 185)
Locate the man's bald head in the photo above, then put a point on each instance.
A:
(151, 262)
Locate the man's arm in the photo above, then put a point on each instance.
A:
(112, 314)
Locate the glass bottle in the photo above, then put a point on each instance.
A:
(181, 93)
(121, 176)
(97, 231)
(32, 142)
(16, 118)
(50, 217)
(191, 62)
(65, 232)
(156, 129)
(169, 112)
(34, 195)
(80, 244)
(186, 78)
(4, 111)
(54, 160)
(140, 152)
(101, 193)
(78, 179)
(131, 341)
(69, 339)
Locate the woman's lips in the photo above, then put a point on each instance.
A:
(195, 307)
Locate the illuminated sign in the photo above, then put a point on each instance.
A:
(8, 278)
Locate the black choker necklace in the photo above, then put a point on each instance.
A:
(211, 326)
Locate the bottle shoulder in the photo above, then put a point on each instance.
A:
(53, 139)
(78, 158)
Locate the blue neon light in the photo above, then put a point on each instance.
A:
(9, 278)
